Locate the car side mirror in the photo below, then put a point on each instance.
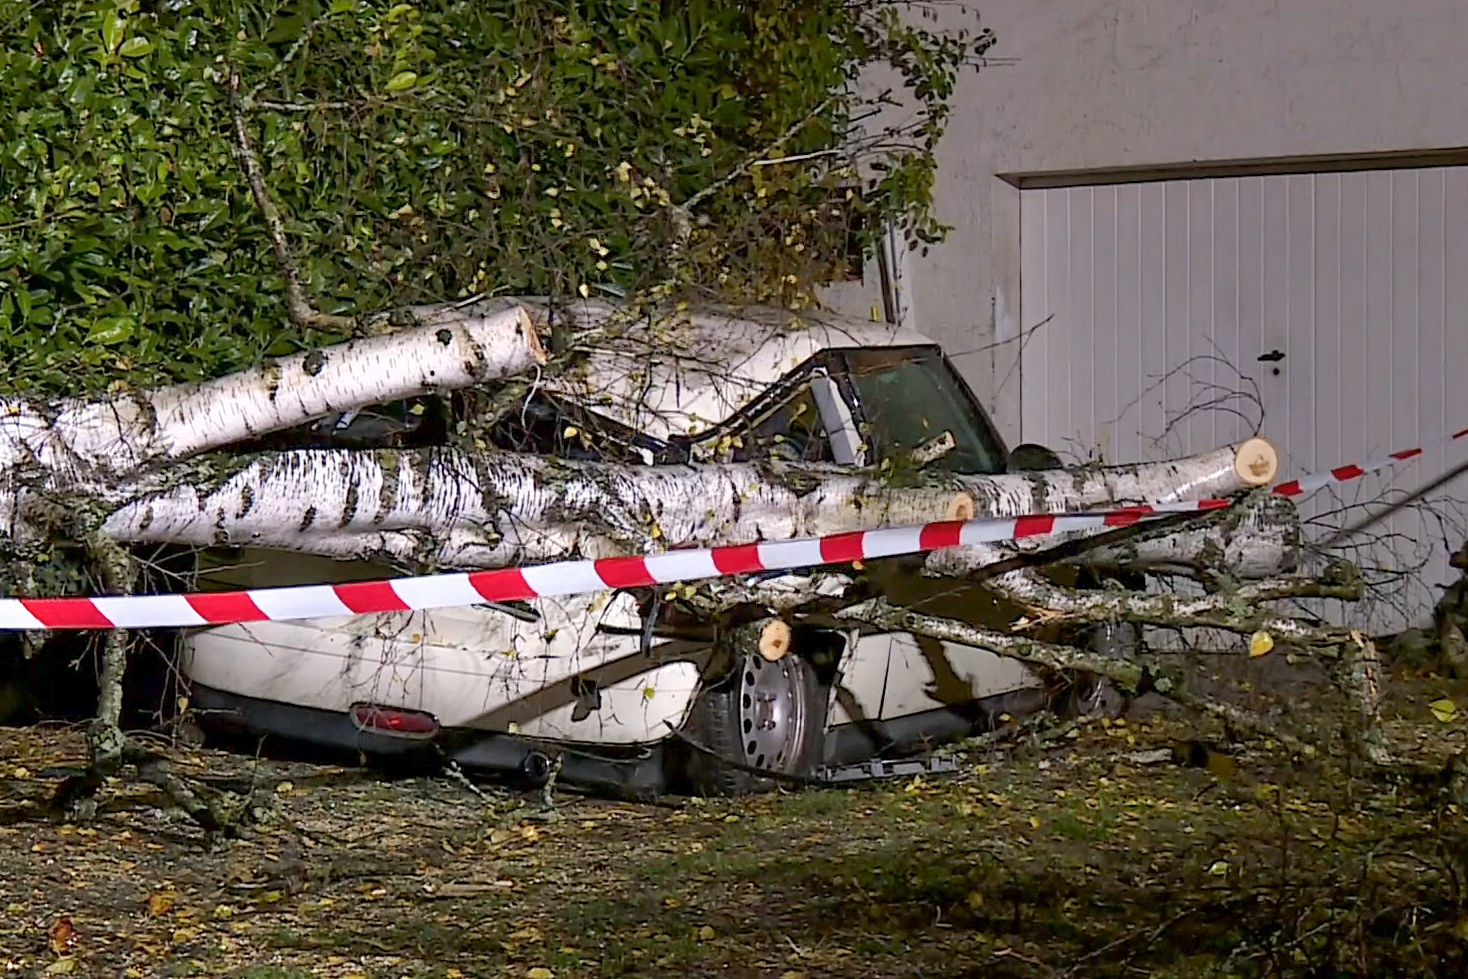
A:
(1029, 457)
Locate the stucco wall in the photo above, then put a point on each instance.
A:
(1104, 84)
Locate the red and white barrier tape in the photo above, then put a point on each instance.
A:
(546, 580)
(578, 577)
(1306, 485)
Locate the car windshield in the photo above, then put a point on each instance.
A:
(911, 396)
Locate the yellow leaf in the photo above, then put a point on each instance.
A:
(62, 966)
(1444, 710)
(284, 788)
(22, 773)
(540, 972)
(570, 432)
(1218, 868)
(584, 289)
(160, 903)
(706, 933)
(1035, 822)
(1260, 643)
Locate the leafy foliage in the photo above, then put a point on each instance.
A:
(427, 152)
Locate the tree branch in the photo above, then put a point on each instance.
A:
(302, 313)
(1131, 674)
(1237, 610)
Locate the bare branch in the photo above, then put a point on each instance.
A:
(1238, 610)
(302, 313)
(1129, 673)
(754, 159)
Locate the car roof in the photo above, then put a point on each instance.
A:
(691, 372)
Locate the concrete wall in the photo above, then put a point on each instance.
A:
(1097, 85)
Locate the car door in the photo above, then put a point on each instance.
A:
(906, 400)
(528, 661)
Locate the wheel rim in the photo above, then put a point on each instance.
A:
(772, 712)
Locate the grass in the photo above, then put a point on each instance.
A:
(1043, 860)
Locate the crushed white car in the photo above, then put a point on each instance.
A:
(602, 681)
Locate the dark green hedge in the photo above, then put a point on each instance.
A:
(418, 153)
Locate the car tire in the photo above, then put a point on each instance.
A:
(769, 716)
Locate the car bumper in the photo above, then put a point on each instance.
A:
(592, 767)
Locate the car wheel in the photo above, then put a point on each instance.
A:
(769, 716)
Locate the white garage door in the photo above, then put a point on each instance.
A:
(1162, 297)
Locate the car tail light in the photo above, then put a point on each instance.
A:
(396, 721)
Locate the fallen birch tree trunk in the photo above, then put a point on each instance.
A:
(1258, 537)
(453, 508)
(124, 461)
(444, 350)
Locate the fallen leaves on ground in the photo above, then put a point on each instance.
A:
(1095, 852)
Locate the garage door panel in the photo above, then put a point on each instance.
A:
(1125, 366)
(1455, 279)
(1353, 334)
(1104, 283)
(1326, 402)
(1165, 294)
(1082, 250)
(1150, 411)
(1431, 312)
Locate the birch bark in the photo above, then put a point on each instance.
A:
(456, 509)
(112, 437)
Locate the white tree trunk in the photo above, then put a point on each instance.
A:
(1207, 475)
(453, 509)
(1257, 538)
(89, 439)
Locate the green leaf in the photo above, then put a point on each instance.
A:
(107, 330)
(135, 47)
(113, 29)
(402, 81)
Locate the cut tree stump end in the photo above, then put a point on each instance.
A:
(774, 640)
(1256, 461)
(961, 507)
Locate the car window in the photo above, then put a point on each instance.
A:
(789, 430)
(911, 396)
(544, 426)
